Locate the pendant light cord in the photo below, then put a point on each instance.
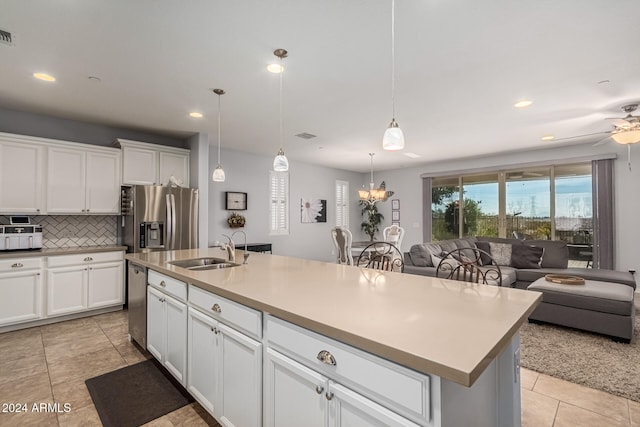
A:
(281, 109)
(371, 182)
(393, 59)
(218, 130)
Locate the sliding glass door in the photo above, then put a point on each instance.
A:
(528, 204)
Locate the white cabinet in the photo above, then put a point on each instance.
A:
(152, 164)
(21, 290)
(82, 181)
(83, 282)
(362, 389)
(21, 176)
(224, 371)
(167, 323)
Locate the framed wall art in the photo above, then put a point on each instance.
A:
(235, 201)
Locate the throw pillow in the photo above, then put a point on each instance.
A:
(525, 256)
(420, 256)
(447, 265)
(485, 259)
(501, 253)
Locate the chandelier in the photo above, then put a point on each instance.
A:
(373, 195)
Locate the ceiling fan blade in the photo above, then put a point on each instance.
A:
(620, 123)
(580, 136)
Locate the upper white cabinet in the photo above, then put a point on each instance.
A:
(21, 176)
(83, 181)
(152, 164)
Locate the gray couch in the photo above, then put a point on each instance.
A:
(555, 260)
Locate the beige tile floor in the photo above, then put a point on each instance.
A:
(50, 364)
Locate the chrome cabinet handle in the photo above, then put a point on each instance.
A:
(328, 395)
(319, 389)
(17, 265)
(325, 357)
(163, 284)
(216, 308)
(88, 258)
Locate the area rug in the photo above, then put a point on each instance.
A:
(583, 358)
(135, 395)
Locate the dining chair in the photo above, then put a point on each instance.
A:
(342, 239)
(469, 265)
(381, 256)
(393, 234)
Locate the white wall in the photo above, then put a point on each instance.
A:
(408, 188)
(249, 173)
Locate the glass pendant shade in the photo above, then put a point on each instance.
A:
(393, 137)
(280, 163)
(627, 137)
(218, 174)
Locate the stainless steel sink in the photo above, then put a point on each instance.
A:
(198, 264)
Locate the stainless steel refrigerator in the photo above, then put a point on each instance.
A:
(154, 218)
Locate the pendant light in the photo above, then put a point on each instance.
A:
(393, 139)
(280, 163)
(218, 173)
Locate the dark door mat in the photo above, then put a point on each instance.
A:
(135, 395)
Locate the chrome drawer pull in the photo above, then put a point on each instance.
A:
(319, 389)
(88, 258)
(164, 285)
(17, 265)
(216, 308)
(325, 357)
(329, 395)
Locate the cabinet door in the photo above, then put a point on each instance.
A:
(65, 180)
(176, 165)
(20, 297)
(106, 284)
(21, 188)
(66, 290)
(176, 338)
(350, 409)
(156, 320)
(293, 393)
(241, 377)
(102, 193)
(139, 166)
(202, 377)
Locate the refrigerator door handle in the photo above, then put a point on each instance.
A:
(169, 223)
(173, 221)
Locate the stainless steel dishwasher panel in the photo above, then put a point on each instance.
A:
(137, 293)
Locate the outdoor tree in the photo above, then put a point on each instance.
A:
(472, 211)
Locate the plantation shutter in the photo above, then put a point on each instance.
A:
(342, 204)
(279, 195)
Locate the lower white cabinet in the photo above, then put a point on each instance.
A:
(224, 371)
(295, 394)
(21, 290)
(83, 282)
(167, 331)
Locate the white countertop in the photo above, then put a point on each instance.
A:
(435, 326)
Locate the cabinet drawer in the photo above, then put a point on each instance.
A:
(237, 315)
(393, 386)
(20, 264)
(87, 258)
(168, 285)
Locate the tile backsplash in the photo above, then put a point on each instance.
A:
(65, 231)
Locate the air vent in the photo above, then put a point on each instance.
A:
(305, 135)
(6, 38)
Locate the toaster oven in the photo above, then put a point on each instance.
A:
(20, 234)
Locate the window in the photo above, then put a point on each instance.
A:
(342, 204)
(279, 195)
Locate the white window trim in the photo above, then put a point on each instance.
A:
(278, 203)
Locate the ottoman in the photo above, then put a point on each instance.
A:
(602, 307)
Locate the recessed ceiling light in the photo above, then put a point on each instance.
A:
(523, 103)
(275, 68)
(195, 115)
(412, 155)
(547, 137)
(44, 77)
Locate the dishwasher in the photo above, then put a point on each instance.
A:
(137, 294)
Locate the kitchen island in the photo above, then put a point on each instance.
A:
(462, 338)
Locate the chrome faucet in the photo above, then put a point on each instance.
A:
(230, 248)
(245, 253)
